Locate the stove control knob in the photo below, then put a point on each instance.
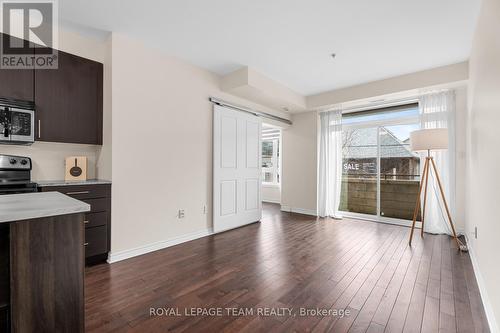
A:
(13, 161)
(24, 162)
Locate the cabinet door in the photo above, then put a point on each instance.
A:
(96, 241)
(47, 274)
(16, 83)
(69, 101)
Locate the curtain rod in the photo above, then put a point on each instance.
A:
(255, 113)
(387, 103)
(373, 106)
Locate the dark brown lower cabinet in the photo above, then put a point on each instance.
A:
(96, 239)
(46, 281)
(97, 221)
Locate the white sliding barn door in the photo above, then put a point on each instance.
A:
(237, 168)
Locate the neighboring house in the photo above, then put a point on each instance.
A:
(397, 161)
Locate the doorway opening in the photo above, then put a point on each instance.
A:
(271, 164)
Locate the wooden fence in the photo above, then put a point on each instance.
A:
(397, 197)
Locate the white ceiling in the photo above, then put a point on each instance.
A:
(291, 41)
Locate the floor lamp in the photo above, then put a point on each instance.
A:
(428, 140)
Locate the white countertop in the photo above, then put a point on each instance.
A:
(16, 207)
(69, 183)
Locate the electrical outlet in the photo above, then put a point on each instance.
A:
(475, 232)
(181, 214)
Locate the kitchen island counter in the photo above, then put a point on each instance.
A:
(42, 248)
(17, 207)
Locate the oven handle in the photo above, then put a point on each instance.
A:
(17, 190)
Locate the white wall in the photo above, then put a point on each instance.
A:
(104, 152)
(483, 156)
(299, 164)
(162, 145)
(271, 193)
(460, 146)
(48, 158)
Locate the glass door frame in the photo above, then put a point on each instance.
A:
(378, 125)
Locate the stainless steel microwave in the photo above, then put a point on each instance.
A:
(17, 123)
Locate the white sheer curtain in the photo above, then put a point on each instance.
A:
(437, 110)
(330, 163)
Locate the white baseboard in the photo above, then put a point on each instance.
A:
(271, 201)
(490, 315)
(285, 208)
(299, 210)
(126, 254)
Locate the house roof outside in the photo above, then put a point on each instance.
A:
(361, 143)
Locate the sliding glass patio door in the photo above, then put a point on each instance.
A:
(380, 174)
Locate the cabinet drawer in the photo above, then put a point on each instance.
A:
(98, 205)
(82, 191)
(96, 219)
(96, 241)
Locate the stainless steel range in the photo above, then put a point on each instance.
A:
(15, 175)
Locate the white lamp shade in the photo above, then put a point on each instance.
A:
(429, 139)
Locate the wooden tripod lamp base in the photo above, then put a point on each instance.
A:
(430, 139)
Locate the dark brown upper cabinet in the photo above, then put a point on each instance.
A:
(69, 101)
(16, 83)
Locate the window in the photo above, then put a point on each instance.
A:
(380, 174)
(271, 156)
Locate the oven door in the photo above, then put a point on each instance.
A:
(22, 125)
(18, 189)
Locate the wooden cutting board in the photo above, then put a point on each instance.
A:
(76, 168)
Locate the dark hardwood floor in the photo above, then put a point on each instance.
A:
(292, 262)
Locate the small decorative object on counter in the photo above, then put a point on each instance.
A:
(76, 168)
